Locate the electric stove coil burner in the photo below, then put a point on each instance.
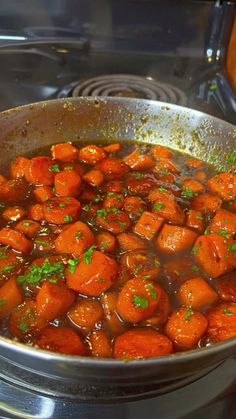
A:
(125, 85)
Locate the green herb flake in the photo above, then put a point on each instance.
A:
(224, 234)
(38, 274)
(97, 199)
(140, 302)
(188, 193)
(27, 223)
(232, 248)
(195, 250)
(3, 253)
(100, 281)
(86, 208)
(195, 268)
(88, 256)
(23, 327)
(151, 291)
(104, 245)
(207, 231)
(162, 190)
(69, 168)
(138, 269)
(62, 205)
(79, 235)
(3, 302)
(139, 175)
(55, 168)
(213, 87)
(8, 269)
(68, 219)
(102, 213)
(114, 195)
(159, 206)
(232, 157)
(122, 224)
(199, 217)
(157, 264)
(115, 210)
(73, 263)
(189, 314)
(43, 243)
(228, 312)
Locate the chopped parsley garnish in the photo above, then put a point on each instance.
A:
(189, 314)
(89, 254)
(159, 206)
(122, 224)
(224, 234)
(68, 168)
(3, 302)
(55, 168)
(195, 268)
(139, 175)
(68, 219)
(102, 213)
(162, 190)
(199, 217)
(100, 281)
(2, 206)
(138, 269)
(23, 327)
(207, 231)
(188, 193)
(42, 242)
(73, 263)
(140, 302)
(3, 254)
(232, 157)
(232, 248)
(38, 274)
(157, 264)
(104, 245)
(8, 269)
(195, 250)
(115, 210)
(86, 208)
(27, 223)
(213, 87)
(114, 195)
(146, 277)
(228, 312)
(62, 205)
(151, 291)
(79, 235)
(97, 199)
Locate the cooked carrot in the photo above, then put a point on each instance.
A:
(105, 242)
(28, 227)
(129, 241)
(140, 263)
(223, 221)
(75, 239)
(100, 344)
(137, 185)
(13, 213)
(113, 168)
(10, 262)
(166, 165)
(139, 161)
(67, 183)
(138, 300)
(195, 220)
(220, 253)
(166, 206)
(15, 190)
(15, 239)
(148, 225)
(226, 288)
(186, 327)
(193, 163)
(36, 212)
(109, 302)
(223, 185)
(142, 343)
(222, 322)
(64, 152)
(180, 270)
(112, 148)
(86, 313)
(134, 206)
(173, 239)
(62, 340)
(161, 152)
(192, 186)
(43, 193)
(2, 179)
(94, 274)
(11, 296)
(94, 177)
(113, 220)
(162, 311)
(113, 200)
(53, 301)
(25, 321)
(206, 202)
(44, 243)
(91, 154)
(18, 167)
(61, 210)
(40, 171)
(197, 293)
(200, 176)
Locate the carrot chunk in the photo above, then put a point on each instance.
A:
(223, 185)
(43, 193)
(206, 202)
(94, 274)
(197, 294)
(75, 239)
(139, 263)
(166, 165)
(113, 200)
(166, 206)
(192, 187)
(25, 321)
(134, 206)
(226, 288)
(28, 227)
(161, 152)
(36, 212)
(18, 167)
(11, 296)
(223, 221)
(86, 313)
(67, 183)
(53, 301)
(142, 343)
(114, 186)
(139, 161)
(62, 210)
(10, 263)
(148, 225)
(100, 344)
(91, 154)
(40, 171)
(94, 177)
(62, 340)
(16, 240)
(186, 327)
(195, 220)
(113, 168)
(105, 242)
(138, 185)
(173, 239)
(193, 163)
(13, 213)
(64, 152)
(162, 311)
(112, 148)
(15, 190)
(129, 241)
(180, 270)
(138, 300)
(113, 220)
(222, 322)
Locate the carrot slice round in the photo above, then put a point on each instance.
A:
(62, 210)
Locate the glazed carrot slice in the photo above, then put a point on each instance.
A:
(91, 154)
(200, 176)
(43, 193)
(15, 190)
(165, 206)
(113, 168)
(18, 167)
(64, 152)
(62, 340)
(180, 270)
(223, 185)
(114, 186)
(226, 288)
(148, 225)
(105, 242)
(193, 163)
(75, 239)
(142, 343)
(77, 167)
(197, 293)
(36, 212)
(186, 327)
(100, 344)
(13, 213)
(53, 301)
(94, 274)
(166, 165)
(94, 178)
(16, 240)
(40, 171)
(162, 311)
(223, 221)
(161, 152)
(206, 202)
(113, 220)
(112, 148)
(173, 239)
(139, 263)
(86, 313)
(113, 200)
(195, 220)
(222, 322)
(139, 161)
(28, 227)
(129, 241)
(67, 183)
(220, 253)
(138, 300)
(191, 185)
(11, 296)
(134, 206)
(24, 321)
(137, 185)
(62, 210)
(10, 262)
